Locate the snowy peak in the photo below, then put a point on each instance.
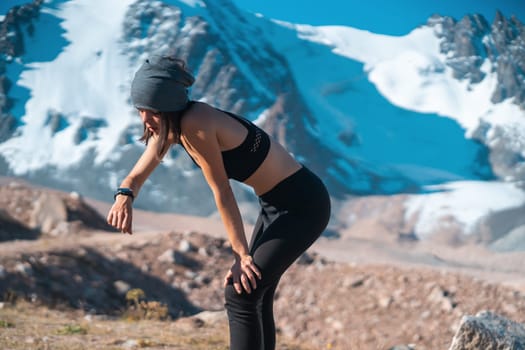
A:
(457, 70)
(372, 114)
(69, 109)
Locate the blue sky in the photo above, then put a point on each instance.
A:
(5, 5)
(379, 16)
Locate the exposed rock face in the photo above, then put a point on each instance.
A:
(27, 212)
(470, 41)
(505, 157)
(473, 48)
(17, 21)
(488, 331)
(497, 227)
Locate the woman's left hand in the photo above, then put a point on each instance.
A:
(244, 274)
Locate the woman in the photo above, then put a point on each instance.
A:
(295, 206)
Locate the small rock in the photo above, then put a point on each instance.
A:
(203, 251)
(168, 256)
(33, 297)
(417, 337)
(145, 268)
(202, 279)
(403, 347)
(353, 281)
(305, 259)
(403, 279)
(190, 274)
(24, 268)
(121, 287)
(75, 195)
(442, 297)
(185, 246)
(334, 323)
(385, 301)
(212, 317)
(488, 330)
(130, 344)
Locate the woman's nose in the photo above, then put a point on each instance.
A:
(145, 116)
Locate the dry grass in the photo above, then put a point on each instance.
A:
(27, 326)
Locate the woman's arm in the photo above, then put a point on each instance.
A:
(120, 215)
(200, 139)
(143, 168)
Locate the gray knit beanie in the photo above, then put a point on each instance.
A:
(161, 84)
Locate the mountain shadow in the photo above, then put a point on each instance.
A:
(86, 279)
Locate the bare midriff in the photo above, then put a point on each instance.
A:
(277, 166)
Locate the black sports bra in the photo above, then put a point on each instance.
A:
(242, 161)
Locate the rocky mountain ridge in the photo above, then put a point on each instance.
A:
(250, 77)
(16, 22)
(475, 48)
(471, 40)
(224, 79)
(28, 213)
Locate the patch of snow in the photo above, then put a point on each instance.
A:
(466, 201)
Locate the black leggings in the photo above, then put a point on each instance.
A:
(293, 215)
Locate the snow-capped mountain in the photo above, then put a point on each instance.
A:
(437, 113)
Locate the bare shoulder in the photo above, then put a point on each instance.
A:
(200, 116)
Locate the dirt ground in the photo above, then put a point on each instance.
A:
(352, 292)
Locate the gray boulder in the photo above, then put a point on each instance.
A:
(488, 331)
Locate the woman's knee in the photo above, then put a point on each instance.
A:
(236, 302)
(248, 302)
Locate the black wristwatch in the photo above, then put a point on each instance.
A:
(125, 192)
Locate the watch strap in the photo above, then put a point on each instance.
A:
(125, 192)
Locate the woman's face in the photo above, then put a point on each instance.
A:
(151, 120)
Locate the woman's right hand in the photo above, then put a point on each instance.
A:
(243, 274)
(121, 213)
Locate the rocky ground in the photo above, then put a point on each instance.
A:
(64, 271)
